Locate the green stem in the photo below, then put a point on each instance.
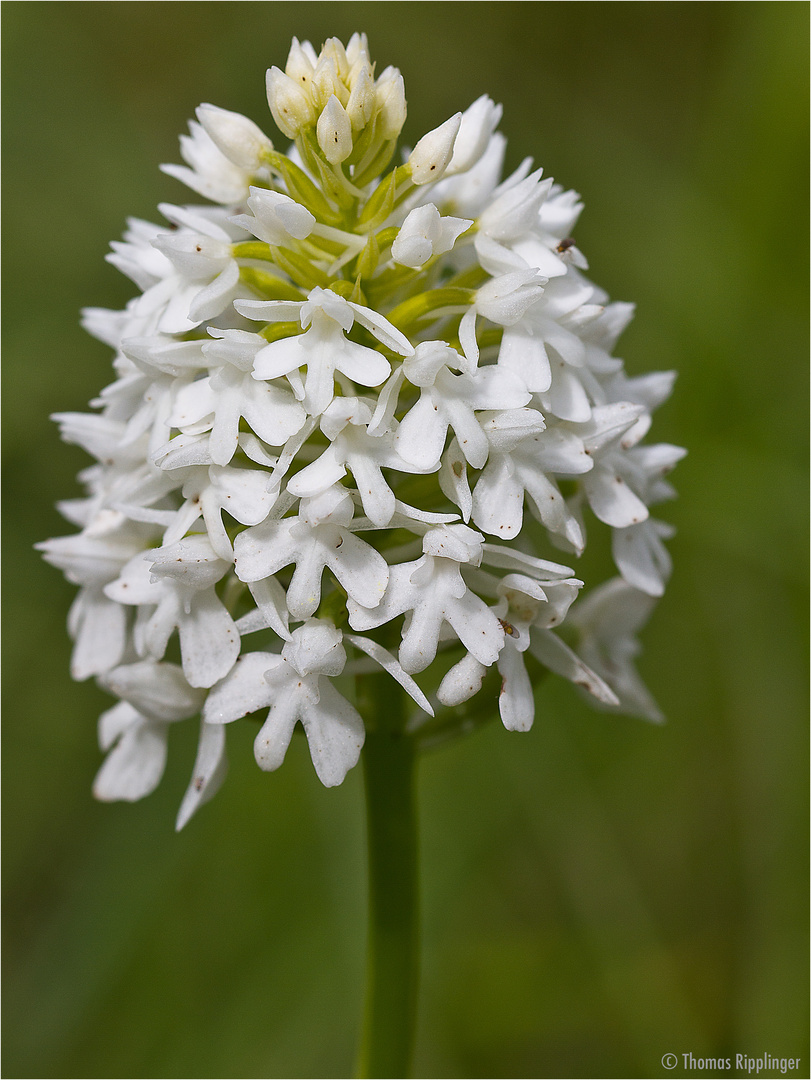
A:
(392, 963)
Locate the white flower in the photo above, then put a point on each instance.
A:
(221, 154)
(608, 621)
(276, 218)
(152, 697)
(192, 273)
(524, 603)
(92, 559)
(319, 537)
(641, 556)
(346, 423)
(528, 225)
(526, 457)
(176, 592)
(433, 591)
(329, 373)
(324, 348)
(239, 139)
(230, 393)
(503, 300)
(475, 130)
(248, 495)
(546, 347)
(609, 494)
(451, 401)
(515, 207)
(296, 686)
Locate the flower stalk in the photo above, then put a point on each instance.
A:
(389, 767)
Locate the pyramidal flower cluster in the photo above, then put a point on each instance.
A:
(361, 399)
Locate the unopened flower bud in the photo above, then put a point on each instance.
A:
(301, 61)
(357, 48)
(327, 81)
(237, 137)
(276, 217)
(431, 156)
(334, 132)
(289, 104)
(361, 104)
(424, 233)
(391, 103)
(334, 50)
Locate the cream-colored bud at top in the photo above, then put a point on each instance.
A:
(430, 157)
(391, 103)
(289, 103)
(357, 47)
(334, 131)
(334, 49)
(327, 81)
(361, 105)
(235, 136)
(301, 61)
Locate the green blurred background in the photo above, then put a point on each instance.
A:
(597, 893)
